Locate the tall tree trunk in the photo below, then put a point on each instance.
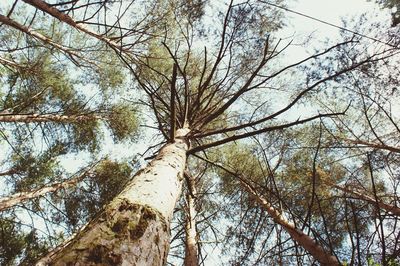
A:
(133, 229)
(40, 118)
(191, 256)
(300, 237)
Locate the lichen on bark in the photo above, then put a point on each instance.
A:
(119, 236)
(133, 220)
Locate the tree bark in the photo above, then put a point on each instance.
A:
(373, 145)
(10, 63)
(9, 172)
(133, 229)
(40, 118)
(191, 256)
(387, 207)
(41, 37)
(39, 4)
(300, 237)
(8, 202)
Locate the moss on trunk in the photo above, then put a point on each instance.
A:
(119, 235)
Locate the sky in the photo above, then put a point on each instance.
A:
(332, 12)
(329, 11)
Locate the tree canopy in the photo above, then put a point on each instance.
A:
(252, 156)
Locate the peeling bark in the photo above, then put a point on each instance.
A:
(299, 236)
(134, 228)
(191, 255)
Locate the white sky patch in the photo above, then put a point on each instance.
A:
(302, 29)
(330, 11)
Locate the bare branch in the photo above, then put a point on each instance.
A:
(259, 131)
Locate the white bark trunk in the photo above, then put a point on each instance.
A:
(134, 228)
(39, 36)
(41, 118)
(8, 202)
(191, 256)
(67, 19)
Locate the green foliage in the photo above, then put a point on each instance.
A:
(48, 81)
(35, 248)
(40, 84)
(86, 135)
(192, 10)
(32, 170)
(54, 82)
(123, 122)
(110, 178)
(18, 247)
(11, 242)
(294, 186)
(42, 87)
(390, 262)
(371, 262)
(108, 74)
(240, 159)
(101, 186)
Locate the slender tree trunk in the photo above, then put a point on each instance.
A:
(373, 145)
(191, 256)
(387, 207)
(37, 35)
(9, 172)
(40, 118)
(134, 228)
(10, 63)
(8, 202)
(67, 19)
(300, 237)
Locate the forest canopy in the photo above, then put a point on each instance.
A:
(196, 132)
